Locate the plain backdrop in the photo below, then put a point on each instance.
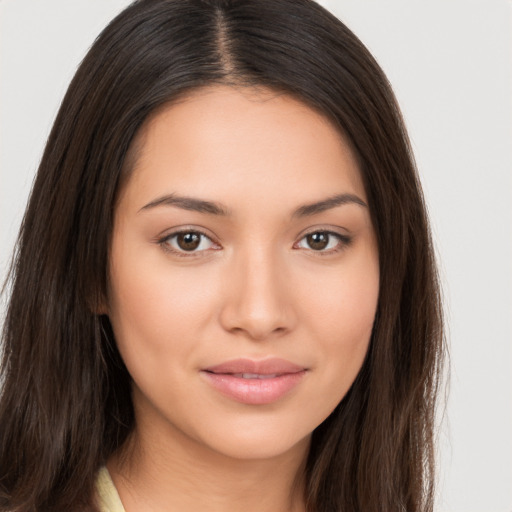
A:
(450, 64)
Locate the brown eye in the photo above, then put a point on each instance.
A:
(318, 241)
(324, 241)
(188, 241)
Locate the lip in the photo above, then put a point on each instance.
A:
(254, 382)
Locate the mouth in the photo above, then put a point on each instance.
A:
(256, 375)
(254, 382)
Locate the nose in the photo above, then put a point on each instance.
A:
(258, 298)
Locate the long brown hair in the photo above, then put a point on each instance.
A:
(65, 405)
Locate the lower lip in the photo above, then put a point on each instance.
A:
(254, 391)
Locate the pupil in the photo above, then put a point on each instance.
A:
(318, 241)
(188, 241)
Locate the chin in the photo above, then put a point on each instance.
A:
(261, 447)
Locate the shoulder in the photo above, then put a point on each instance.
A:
(108, 498)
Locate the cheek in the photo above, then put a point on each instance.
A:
(342, 302)
(342, 318)
(155, 310)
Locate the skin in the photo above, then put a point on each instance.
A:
(255, 288)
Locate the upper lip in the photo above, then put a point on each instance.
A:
(264, 367)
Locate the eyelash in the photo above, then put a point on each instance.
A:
(164, 242)
(343, 242)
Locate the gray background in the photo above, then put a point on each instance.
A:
(450, 64)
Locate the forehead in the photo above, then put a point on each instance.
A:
(231, 141)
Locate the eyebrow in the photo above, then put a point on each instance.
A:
(188, 203)
(327, 204)
(213, 208)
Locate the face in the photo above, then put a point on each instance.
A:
(244, 272)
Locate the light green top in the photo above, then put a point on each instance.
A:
(108, 497)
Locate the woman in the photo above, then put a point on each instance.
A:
(224, 295)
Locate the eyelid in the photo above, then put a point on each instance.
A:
(344, 240)
(325, 228)
(162, 240)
